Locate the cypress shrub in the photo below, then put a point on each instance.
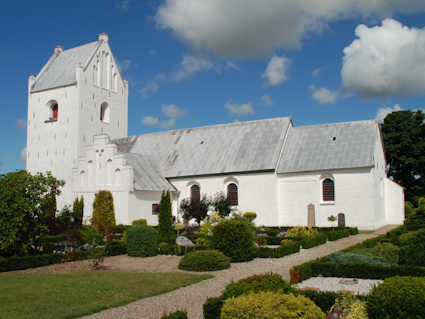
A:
(78, 211)
(233, 237)
(103, 209)
(165, 220)
(204, 260)
(398, 297)
(141, 241)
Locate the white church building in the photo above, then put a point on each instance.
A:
(289, 176)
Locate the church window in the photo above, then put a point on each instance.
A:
(82, 178)
(232, 193)
(90, 173)
(117, 177)
(104, 113)
(155, 209)
(52, 111)
(114, 80)
(328, 190)
(195, 192)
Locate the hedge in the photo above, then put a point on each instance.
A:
(310, 242)
(281, 251)
(351, 270)
(20, 263)
(338, 234)
(167, 249)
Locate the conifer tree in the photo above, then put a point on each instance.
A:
(165, 219)
(78, 211)
(103, 210)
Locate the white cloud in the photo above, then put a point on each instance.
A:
(276, 70)
(124, 65)
(247, 29)
(385, 61)
(122, 5)
(172, 111)
(231, 65)
(323, 95)
(21, 124)
(241, 110)
(154, 121)
(266, 100)
(23, 156)
(316, 72)
(383, 112)
(190, 66)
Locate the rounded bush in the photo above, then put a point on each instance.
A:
(141, 241)
(257, 283)
(270, 305)
(398, 297)
(412, 251)
(234, 238)
(204, 260)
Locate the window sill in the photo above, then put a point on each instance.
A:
(51, 120)
(327, 203)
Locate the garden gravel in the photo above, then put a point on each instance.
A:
(193, 297)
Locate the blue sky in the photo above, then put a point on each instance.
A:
(194, 63)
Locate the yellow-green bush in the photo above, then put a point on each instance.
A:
(351, 306)
(300, 232)
(270, 305)
(103, 209)
(139, 221)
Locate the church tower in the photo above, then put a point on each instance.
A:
(78, 94)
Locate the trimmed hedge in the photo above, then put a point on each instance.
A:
(180, 314)
(168, 249)
(310, 242)
(115, 249)
(20, 263)
(324, 299)
(338, 234)
(141, 241)
(281, 251)
(204, 260)
(318, 267)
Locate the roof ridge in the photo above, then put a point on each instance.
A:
(337, 123)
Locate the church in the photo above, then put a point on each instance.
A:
(287, 175)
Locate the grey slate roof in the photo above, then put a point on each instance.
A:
(147, 173)
(59, 71)
(228, 148)
(313, 148)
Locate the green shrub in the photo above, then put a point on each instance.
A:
(233, 237)
(398, 297)
(204, 260)
(323, 299)
(313, 241)
(250, 216)
(166, 249)
(115, 249)
(270, 305)
(286, 249)
(412, 251)
(338, 234)
(341, 257)
(141, 241)
(354, 230)
(418, 217)
(176, 315)
(409, 209)
(165, 220)
(351, 306)
(257, 283)
(387, 250)
(103, 209)
(24, 262)
(139, 221)
(212, 307)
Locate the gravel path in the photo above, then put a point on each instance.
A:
(193, 297)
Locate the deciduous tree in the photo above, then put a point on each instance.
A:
(404, 142)
(22, 219)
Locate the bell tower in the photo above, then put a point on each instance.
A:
(78, 94)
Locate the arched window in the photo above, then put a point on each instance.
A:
(104, 113)
(195, 192)
(117, 177)
(52, 111)
(83, 178)
(232, 193)
(328, 190)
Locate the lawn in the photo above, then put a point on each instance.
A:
(76, 294)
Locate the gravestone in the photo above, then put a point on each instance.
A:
(341, 220)
(311, 216)
(184, 241)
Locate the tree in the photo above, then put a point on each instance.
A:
(78, 211)
(195, 208)
(222, 204)
(332, 218)
(165, 219)
(404, 143)
(103, 210)
(22, 219)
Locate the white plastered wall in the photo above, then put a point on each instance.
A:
(394, 203)
(354, 196)
(256, 192)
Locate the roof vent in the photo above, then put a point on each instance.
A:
(58, 49)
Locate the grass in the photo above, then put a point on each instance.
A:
(366, 231)
(74, 295)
